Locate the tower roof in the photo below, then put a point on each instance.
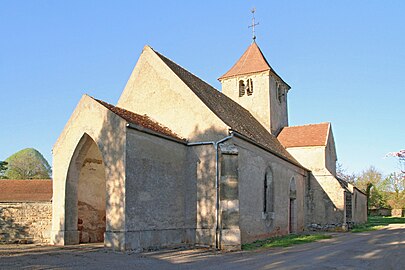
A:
(251, 61)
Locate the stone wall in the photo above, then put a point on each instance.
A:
(254, 166)
(25, 222)
(380, 212)
(161, 205)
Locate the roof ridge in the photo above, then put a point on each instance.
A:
(161, 55)
(207, 84)
(305, 125)
(247, 55)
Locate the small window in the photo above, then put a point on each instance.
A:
(249, 87)
(241, 88)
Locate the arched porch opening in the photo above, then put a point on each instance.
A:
(85, 199)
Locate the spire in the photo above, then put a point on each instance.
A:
(252, 61)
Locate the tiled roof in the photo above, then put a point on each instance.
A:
(141, 120)
(230, 112)
(25, 190)
(251, 61)
(307, 135)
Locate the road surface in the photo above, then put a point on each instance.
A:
(383, 249)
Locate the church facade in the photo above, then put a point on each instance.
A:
(177, 162)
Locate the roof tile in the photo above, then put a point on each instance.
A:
(25, 190)
(251, 61)
(306, 135)
(141, 120)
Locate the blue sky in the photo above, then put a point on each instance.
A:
(345, 62)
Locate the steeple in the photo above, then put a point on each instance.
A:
(253, 84)
(252, 61)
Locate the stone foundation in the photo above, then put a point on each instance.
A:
(25, 222)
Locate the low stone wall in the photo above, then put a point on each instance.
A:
(25, 222)
(380, 212)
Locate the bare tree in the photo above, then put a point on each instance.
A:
(400, 155)
(342, 173)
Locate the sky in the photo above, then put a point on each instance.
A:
(344, 61)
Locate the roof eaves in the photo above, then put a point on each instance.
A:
(156, 127)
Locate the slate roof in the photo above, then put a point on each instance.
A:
(307, 135)
(141, 120)
(230, 112)
(25, 190)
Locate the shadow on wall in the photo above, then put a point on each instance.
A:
(205, 185)
(11, 231)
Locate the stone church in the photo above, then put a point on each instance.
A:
(177, 162)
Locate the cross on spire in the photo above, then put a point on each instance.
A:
(253, 24)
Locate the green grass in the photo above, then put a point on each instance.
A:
(285, 241)
(376, 223)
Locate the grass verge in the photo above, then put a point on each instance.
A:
(376, 223)
(285, 241)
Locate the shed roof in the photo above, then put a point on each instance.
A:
(306, 135)
(25, 190)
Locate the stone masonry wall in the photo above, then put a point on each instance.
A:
(25, 222)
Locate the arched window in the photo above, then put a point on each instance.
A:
(249, 87)
(241, 88)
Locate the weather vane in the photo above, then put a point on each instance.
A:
(253, 23)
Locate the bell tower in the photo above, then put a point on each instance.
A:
(254, 84)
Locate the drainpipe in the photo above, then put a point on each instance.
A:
(215, 144)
